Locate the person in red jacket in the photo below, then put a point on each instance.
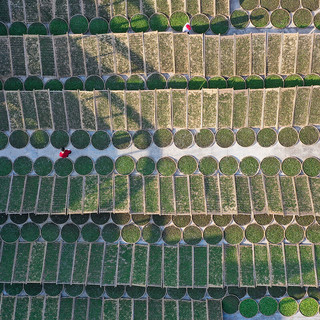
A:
(64, 153)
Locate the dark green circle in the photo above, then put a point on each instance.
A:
(200, 23)
(225, 138)
(233, 234)
(311, 166)
(236, 82)
(309, 135)
(42, 166)
(291, 166)
(115, 82)
(90, 232)
(166, 166)
(145, 166)
(119, 24)
(267, 137)
(178, 19)
(171, 235)
(230, 304)
(295, 233)
(280, 18)
(83, 165)
(59, 139)
(73, 83)
(204, 138)
(37, 28)
(249, 166)
(125, 165)
(17, 28)
(53, 85)
(156, 81)
(239, 19)
(100, 140)
(19, 139)
(130, 233)
(259, 17)
(79, 24)
(187, 164)
(208, 165)
(246, 137)
(10, 232)
(177, 82)
(142, 139)
(22, 165)
(104, 165)
(139, 23)
(13, 84)
(39, 139)
(275, 233)
(121, 139)
(98, 26)
(151, 233)
(158, 22)
(192, 235)
(248, 308)
(50, 232)
(162, 138)
(219, 24)
(5, 166)
(110, 232)
(135, 82)
(254, 233)
(94, 83)
(80, 139)
(183, 139)
(63, 167)
(33, 83)
(30, 231)
(228, 165)
(70, 233)
(270, 166)
(58, 26)
(3, 140)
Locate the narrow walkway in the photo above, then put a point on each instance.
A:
(299, 150)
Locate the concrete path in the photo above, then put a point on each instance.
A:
(299, 150)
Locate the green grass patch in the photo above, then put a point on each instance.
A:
(83, 165)
(30, 232)
(302, 18)
(98, 26)
(181, 221)
(288, 306)
(268, 306)
(280, 18)
(274, 233)
(135, 82)
(19, 139)
(58, 26)
(13, 84)
(197, 83)
(176, 294)
(305, 220)
(53, 85)
(313, 233)
(63, 167)
(217, 83)
(151, 233)
(230, 304)
(291, 166)
(312, 79)
(222, 220)
(10, 232)
(228, 165)
(249, 166)
(249, 4)
(267, 137)
(50, 232)
(166, 166)
(90, 232)
(59, 139)
(309, 307)
(233, 234)
(80, 139)
(208, 165)
(293, 80)
(225, 138)
(159, 22)
(219, 24)
(311, 167)
(200, 23)
(145, 166)
(248, 308)
(43, 166)
(212, 234)
(294, 233)
(142, 139)
(22, 165)
(110, 233)
(183, 139)
(246, 137)
(119, 24)
(290, 5)
(94, 83)
(124, 165)
(79, 24)
(3, 29)
(3, 140)
(177, 82)
(139, 23)
(296, 292)
(17, 29)
(121, 139)
(156, 81)
(187, 165)
(239, 19)
(178, 19)
(309, 135)
(236, 82)
(70, 233)
(259, 17)
(254, 233)
(171, 235)
(192, 235)
(270, 5)
(39, 139)
(73, 83)
(100, 140)
(162, 138)
(33, 83)
(270, 166)
(104, 165)
(254, 82)
(115, 82)
(277, 292)
(161, 220)
(273, 81)
(288, 136)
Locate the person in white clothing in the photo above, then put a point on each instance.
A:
(186, 28)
